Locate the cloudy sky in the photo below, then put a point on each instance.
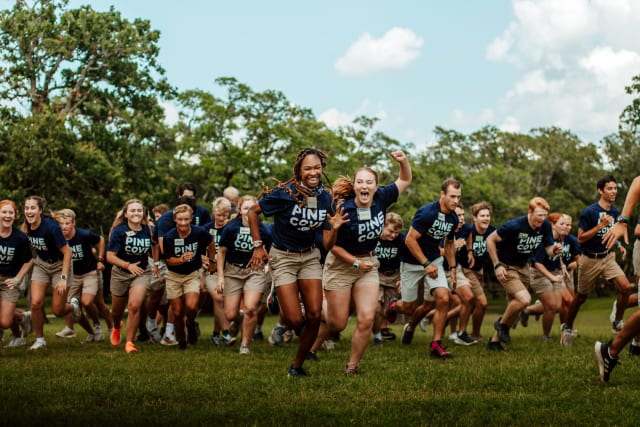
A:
(459, 64)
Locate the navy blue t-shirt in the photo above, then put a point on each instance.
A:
(47, 240)
(196, 242)
(81, 245)
(165, 222)
(237, 239)
(590, 218)
(360, 235)
(478, 247)
(570, 249)
(131, 246)
(390, 252)
(294, 227)
(519, 240)
(461, 252)
(433, 225)
(14, 252)
(215, 232)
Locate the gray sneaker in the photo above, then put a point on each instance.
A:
(617, 326)
(463, 338)
(606, 363)
(77, 311)
(17, 342)
(98, 335)
(227, 339)
(276, 335)
(26, 324)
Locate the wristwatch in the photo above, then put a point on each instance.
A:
(623, 218)
(257, 244)
(63, 277)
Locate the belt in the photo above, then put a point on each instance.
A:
(366, 254)
(389, 272)
(295, 251)
(49, 260)
(596, 255)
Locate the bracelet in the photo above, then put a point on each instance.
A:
(356, 265)
(498, 265)
(125, 266)
(426, 263)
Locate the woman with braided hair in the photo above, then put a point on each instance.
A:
(300, 207)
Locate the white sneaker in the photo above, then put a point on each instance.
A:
(567, 335)
(328, 345)
(244, 349)
(155, 335)
(169, 339)
(453, 336)
(77, 310)
(38, 345)
(614, 311)
(66, 332)
(26, 324)
(98, 335)
(423, 324)
(17, 342)
(90, 338)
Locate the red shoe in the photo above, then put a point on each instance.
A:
(439, 352)
(115, 335)
(130, 347)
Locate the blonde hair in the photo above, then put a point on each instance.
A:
(64, 213)
(182, 208)
(393, 218)
(221, 204)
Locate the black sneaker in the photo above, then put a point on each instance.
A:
(494, 346)
(296, 372)
(438, 351)
(378, 342)
(312, 355)
(503, 331)
(387, 334)
(524, 318)
(143, 336)
(463, 338)
(258, 336)
(634, 350)
(606, 363)
(407, 335)
(390, 313)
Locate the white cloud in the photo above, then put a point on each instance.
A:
(395, 50)
(170, 113)
(335, 118)
(574, 58)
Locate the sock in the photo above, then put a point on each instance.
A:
(152, 324)
(41, 339)
(169, 329)
(378, 336)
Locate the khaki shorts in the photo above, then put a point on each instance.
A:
(636, 257)
(338, 275)
(239, 279)
(267, 287)
(157, 283)
(591, 269)
(541, 284)
(476, 281)
(84, 284)
(389, 279)
(6, 294)
(461, 279)
(518, 279)
(288, 267)
(179, 284)
(122, 280)
(211, 282)
(412, 275)
(385, 293)
(49, 273)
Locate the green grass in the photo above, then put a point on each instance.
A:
(533, 383)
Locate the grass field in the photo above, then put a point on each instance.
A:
(532, 383)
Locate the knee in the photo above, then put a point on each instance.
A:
(313, 316)
(37, 305)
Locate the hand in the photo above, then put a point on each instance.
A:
(187, 257)
(618, 230)
(623, 251)
(399, 156)
(11, 283)
(431, 271)
(365, 266)
(338, 219)
(135, 269)
(501, 273)
(61, 287)
(259, 258)
(220, 286)
(471, 259)
(100, 266)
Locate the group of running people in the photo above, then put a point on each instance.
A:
(327, 253)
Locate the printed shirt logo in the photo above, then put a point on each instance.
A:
(606, 227)
(38, 243)
(386, 252)
(303, 218)
(479, 247)
(6, 254)
(527, 244)
(243, 243)
(440, 228)
(77, 253)
(136, 245)
(371, 229)
(182, 248)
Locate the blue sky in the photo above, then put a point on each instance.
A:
(459, 64)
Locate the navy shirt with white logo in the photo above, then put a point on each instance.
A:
(81, 245)
(237, 239)
(590, 218)
(131, 246)
(519, 240)
(478, 247)
(47, 240)
(390, 252)
(165, 222)
(14, 252)
(196, 242)
(433, 225)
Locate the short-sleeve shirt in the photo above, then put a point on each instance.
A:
(478, 247)
(81, 245)
(214, 231)
(131, 246)
(461, 252)
(196, 242)
(165, 222)
(47, 240)
(361, 234)
(590, 218)
(237, 239)
(389, 252)
(570, 249)
(294, 227)
(433, 225)
(520, 241)
(14, 252)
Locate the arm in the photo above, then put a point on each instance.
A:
(545, 271)
(62, 286)
(260, 255)
(405, 177)
(492, 250)
(450, 255)
(470, 257)
(585, 236)
(13, 282)
(346, 257)
(619, 229)
(220, 258)
(101, 248)
(411, 241)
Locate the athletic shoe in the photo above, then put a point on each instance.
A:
(169, 339)
(276, 335)
(227, 339)
(17, 342)
(328, 345)
(77, 310)
(503, 331)
(287, 336)
(90, 338)
(215, 340)
(452, 336)
(244, 349)
(387, 334)
(614, 312)
(351, 370)
(463, 338)
(566, 335)
(438, 351)
(524, 318)
(192, 334)
(155, 334)
(476, 337)
(38, 345)
(494, 346)
(424, 323)
(312, 355)
(66, 332)
(634, 350)
(407, 335)
(390, 313)
(617, 326)
(143, 336)
(130, 347)
(258, 336)
(26, 324)
(98, 335)
(606, 363)
(115, 335)
(377, 342)
(234, 326)
(297, 372)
